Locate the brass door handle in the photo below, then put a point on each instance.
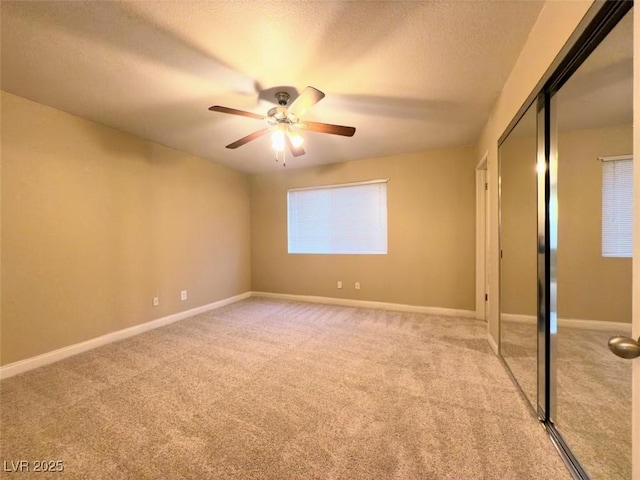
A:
(625, 347)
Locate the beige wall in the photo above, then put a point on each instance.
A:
(96, 222)
(431, 233)
(519, 221)
(555, 25)
(590, 287)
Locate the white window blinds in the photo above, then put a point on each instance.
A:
(617, 206)
(342, 219)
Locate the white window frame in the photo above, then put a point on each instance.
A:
(334, 228)
(617, 207)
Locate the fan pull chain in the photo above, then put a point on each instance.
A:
(284, 158)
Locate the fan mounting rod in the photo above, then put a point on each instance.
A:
(282, 98)
(278, 115)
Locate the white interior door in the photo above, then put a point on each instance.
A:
(482, 218)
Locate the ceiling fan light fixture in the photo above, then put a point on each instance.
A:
(296, 139)
(277, 140)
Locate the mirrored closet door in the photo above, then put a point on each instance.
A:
(594, 139)
(518, 272)
(566, 191)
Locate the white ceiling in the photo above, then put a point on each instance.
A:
(600, 92)
(410, 76)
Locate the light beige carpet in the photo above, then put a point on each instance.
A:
(266, 389)
(594, 402)
(593, 394)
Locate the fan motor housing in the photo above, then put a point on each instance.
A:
(279, 115)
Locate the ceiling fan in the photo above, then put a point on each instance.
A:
(284, 124)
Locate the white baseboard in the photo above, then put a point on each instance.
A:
(27, 364)
(599, 325)
(347, 302)
(595, 325)
(518, 318)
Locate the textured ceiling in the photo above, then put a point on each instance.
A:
(600, 92)
(409, 76)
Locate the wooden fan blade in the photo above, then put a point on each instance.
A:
(233, 111)
(296, 151)
(248, 138)
(328, 128)
(307, 99)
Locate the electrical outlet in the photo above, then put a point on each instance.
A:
(357, 285)
(156, 301)
(183, 295)
(339, 283)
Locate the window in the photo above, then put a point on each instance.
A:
(617, 206)
(343, 219)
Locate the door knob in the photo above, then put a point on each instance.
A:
(625, 347)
